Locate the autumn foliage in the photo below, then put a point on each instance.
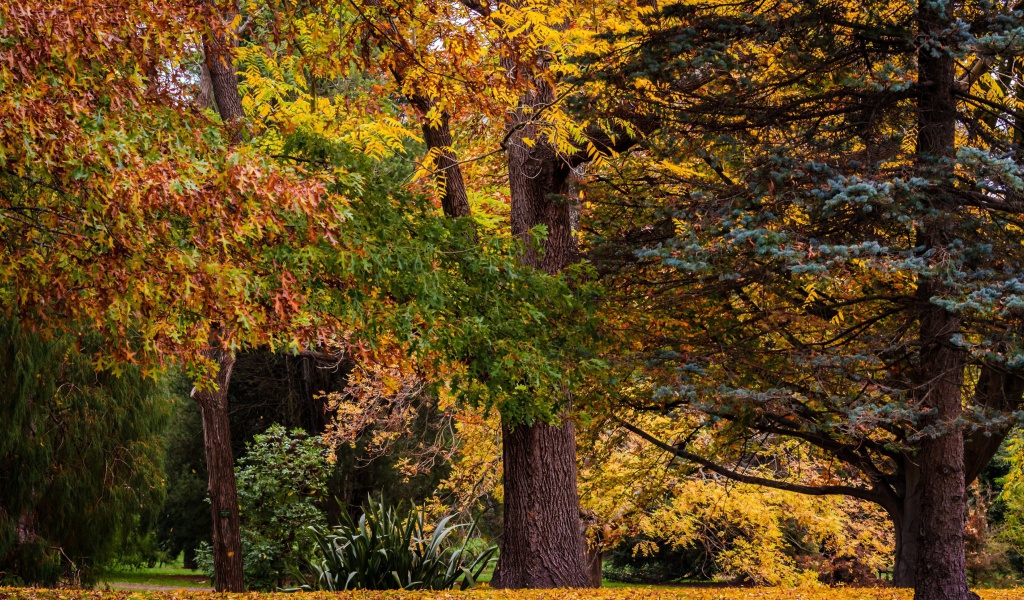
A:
(709, 593)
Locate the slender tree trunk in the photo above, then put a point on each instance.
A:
(436, 133)
(907, 523)
(189, 558)
(594, 566)
(220, 462)
(542, 542)
(220, 465)
(448, 172)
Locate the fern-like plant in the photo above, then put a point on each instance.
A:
(392, 548)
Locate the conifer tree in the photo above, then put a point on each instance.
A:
(830, 248)
(81, 458)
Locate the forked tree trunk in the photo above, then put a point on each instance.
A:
(220, 465)
(542, 543)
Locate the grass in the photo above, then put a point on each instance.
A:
(173, 575)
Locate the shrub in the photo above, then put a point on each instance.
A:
(281, 480)
(392, 548)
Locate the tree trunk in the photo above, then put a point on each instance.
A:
(594, 566)
(220, 466)
(447, 172)
(223, 81)
(941, 572)
(189, 558)
(220, 463)
(997, 391)
(541, 543)
(941, 564)
(906, 521)
(219, 63)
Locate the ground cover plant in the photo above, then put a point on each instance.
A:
(393, 547)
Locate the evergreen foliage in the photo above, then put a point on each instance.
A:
(393, 548)
(282, 487)
(81, 458)
(803, 228)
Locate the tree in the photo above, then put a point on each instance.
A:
(507, 62)
(81, 459)
(828, 252)
(126, 211)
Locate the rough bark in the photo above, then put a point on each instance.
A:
(941, 564)
(219, 62)
(438, 134)
(941, 572)
(906, 521)
(542, 545)
(996, 390)
(448, 173)
(206, 98)
(220, 465)
(539, 185)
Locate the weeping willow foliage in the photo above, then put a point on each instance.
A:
(80, 458)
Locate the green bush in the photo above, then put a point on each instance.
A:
(282, 480)
(392, 548)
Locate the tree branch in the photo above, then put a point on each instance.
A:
(825, 490)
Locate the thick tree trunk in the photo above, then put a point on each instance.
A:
(219, 63)
(541, 543)
(941, 563)
(219, 66)
(220, 465)
(941, 572)
(997, 391)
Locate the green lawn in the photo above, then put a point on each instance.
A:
(169, 576)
